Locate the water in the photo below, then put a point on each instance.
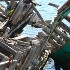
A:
(48, 13)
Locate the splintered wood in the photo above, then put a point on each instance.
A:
(26, 53)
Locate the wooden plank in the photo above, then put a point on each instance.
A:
(3, 12)
(20, 37)
(16, 28)
(42, 20)
(40, 47)
(67, 18)
(12, 4)
(21, 48)
(21, 12)
(3, 64)
(42, 35)
(7, 48)
(3, 57)
(65, 37)
(19, 42)
(29, 58)
(2, 24)
(17, 57)
(47, 31)
(35, 19)
(54, 5)
(65, 27)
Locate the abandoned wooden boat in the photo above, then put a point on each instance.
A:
(17, 53)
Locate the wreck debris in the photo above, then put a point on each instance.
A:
(30, 53)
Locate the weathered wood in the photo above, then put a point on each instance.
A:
(3, 64)
(19, 14)
(47, 31)
(56, 30)
(67, 18)
(55, 44)
(39, 49)
(2, 24)
(64, 6)
(7, 2)
(12, 4)
(3, 57)
(54, 5)
(62, 35)
(29, 58)
(2, 16)
(16, 28)
(39, 24)
(38, 15)
(65, 37)
(7, 48)
(65, 27)
(22, 43)
(48, 21)
(2, 7)
(34, 19)
(25, 49)
(6, 32)
(3, 12)
(1, 19)
(17, 57)
(16, 48)
(21, 37)
(21, 48)
(30, 49)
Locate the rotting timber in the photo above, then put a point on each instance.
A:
(32, 53)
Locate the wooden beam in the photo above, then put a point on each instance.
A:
(65, 27)
(8, 48)
(54, 5)
(3, 64)
(67, 18)
(48, 26)
(17, 57)
(65, 37)
(29, 58)
(3, 57)
(55, 44)
(3, 12)
(47, 31)
(42, 20)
